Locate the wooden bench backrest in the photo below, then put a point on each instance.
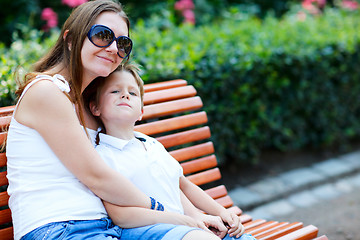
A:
(173, 115)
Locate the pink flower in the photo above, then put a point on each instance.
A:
(189, 16)
(50, 17)
(186, 8)
(47, 14)
(313, 6)
(73, 3)
(352, 5)
(182, 5)
(321, 3)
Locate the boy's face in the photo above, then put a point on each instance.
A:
(119, 101)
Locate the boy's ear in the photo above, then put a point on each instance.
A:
(141, 115)
(94, 109)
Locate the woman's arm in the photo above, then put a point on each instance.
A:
(47, 110)
(130, 217)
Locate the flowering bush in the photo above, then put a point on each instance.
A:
(51, 17)
(315, 7)
(352, 5)
(186, 8)
(73, 3)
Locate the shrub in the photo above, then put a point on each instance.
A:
(278, 83)
(19, 58)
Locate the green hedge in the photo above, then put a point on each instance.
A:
(279, 83)
(20, 56)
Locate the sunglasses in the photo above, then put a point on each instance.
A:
(102, 36)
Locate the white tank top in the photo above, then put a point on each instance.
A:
(41, 189)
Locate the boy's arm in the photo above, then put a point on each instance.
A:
(204, 202)
(199, 198)
(130, 217)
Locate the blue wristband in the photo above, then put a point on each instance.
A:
(152, 203)
(160, 207)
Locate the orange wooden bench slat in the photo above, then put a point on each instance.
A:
(169, 94)
(305, 233)
(188, 136)
(192, 152)
(225, 201)
(3, 137)
(323, 237)
(269, 229)
(175, 123)
(199, 164)
(4, 198)
(6, 233)
(253, 224)
(281, 231)
(261, 227)
(217, 192)
(5, 121)
(205, 177)
(3, 179)
(150, 87)
(244, 218)
(5, 216)
(4, 111)
(173, 107)
(2, 160)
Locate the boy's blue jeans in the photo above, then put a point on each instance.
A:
(105, 229)
(243, 237)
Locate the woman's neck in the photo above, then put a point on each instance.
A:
(59, 69)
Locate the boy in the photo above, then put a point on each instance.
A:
(117, 105)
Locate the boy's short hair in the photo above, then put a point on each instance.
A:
(134, 70)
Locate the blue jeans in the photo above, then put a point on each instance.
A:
(243, 237)
(105, 229)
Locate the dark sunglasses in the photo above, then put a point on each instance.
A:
(102, 36)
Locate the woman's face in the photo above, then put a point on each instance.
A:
(99, 61)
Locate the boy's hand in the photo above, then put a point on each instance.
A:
(232, 222)
(215, 224)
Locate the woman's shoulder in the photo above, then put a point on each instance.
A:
(44, 95)
(57, 79)
(43, 91)
(42, 100)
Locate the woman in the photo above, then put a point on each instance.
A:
(56, 178)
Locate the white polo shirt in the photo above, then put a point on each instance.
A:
(153, 170)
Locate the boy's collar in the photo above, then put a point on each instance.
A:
(118, 142)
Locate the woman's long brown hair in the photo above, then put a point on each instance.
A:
(77, 25)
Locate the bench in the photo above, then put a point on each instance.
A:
(173, 115)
